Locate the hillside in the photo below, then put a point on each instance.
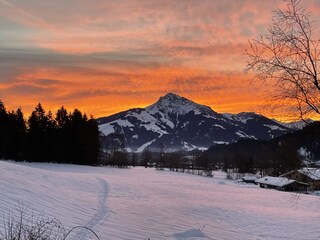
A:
(279, 155)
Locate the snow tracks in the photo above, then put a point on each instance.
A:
(101, 212)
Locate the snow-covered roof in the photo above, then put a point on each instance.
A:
(275, 181)
(313, 173)
(249, 178)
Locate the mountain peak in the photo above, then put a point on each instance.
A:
(175, 104)
(173, 99)
(171, 96)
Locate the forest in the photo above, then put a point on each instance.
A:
(274, 157)
(66, 137)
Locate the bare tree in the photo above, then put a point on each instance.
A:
(288, 57)
(24, 225)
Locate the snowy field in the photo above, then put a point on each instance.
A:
(143, 203)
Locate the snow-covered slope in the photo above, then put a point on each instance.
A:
(141, 203)
(177, 123)
(297, 125)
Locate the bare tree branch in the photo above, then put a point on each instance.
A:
(287, 56)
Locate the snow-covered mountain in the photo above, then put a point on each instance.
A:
(297, 125)
(176, 123)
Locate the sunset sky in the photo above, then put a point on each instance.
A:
(108, 56)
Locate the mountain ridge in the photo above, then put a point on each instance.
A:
(177, 123)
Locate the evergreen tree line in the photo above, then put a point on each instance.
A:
(63, 138)
(274, 157)
(252, 156)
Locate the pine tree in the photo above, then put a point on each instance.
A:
(85, 139)
(63, 136)
(16, 128)
(62, 117)
(38, 120)
(3, 130)
(20, 128)
(20, 121)
(38, 125)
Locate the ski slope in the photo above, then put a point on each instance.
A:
(143, 203)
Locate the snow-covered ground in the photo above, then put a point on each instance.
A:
(143, 203)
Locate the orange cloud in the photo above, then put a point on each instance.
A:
(107, 56)
(117, 91)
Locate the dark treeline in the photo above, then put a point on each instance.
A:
(174, 161)
(114, 153)
(63, 138)
(273, 157)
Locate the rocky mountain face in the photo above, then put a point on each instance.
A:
(176, 123)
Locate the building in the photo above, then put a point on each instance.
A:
(249, 179)
(282, 184)
(310, 176)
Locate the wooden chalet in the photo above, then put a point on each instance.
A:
(310, 176)
(282, 184)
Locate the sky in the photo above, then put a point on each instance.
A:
(103, 57)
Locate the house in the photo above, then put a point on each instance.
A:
(282, 184)
(249, 179)
(306, 175)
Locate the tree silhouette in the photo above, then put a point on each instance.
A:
(62, 118)
(68, 138)
(287, 57)
(3, 130)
